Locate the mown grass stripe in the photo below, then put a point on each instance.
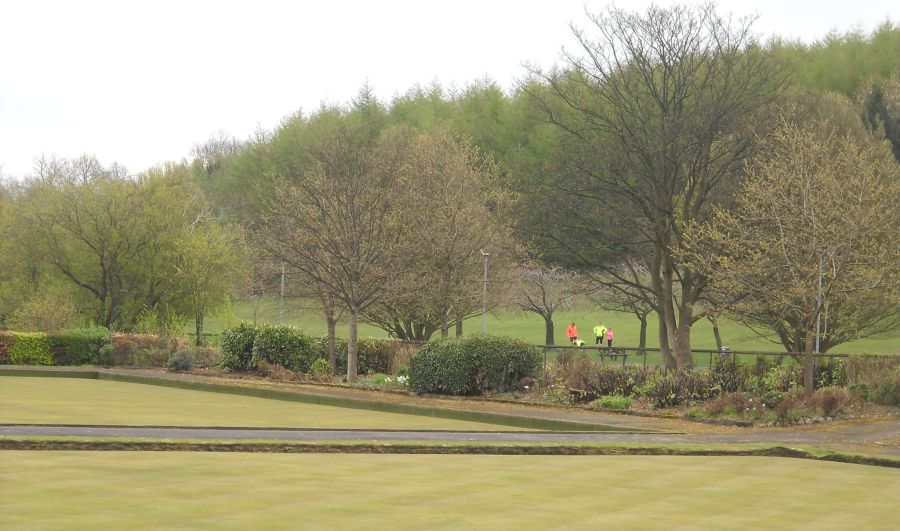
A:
(335, 401)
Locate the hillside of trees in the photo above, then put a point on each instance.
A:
(675, 167)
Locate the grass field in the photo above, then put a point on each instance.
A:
(174, 490)
(25, 400)
(530, 328)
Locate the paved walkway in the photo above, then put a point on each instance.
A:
(881, 436)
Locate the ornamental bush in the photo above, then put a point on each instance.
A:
(30, 349)
(668, 390)
(6, 340)
(373, 355)
(285, 346)
(82, 346)
(143, 350)
(472, 365)
(182, 361)
(236, 344)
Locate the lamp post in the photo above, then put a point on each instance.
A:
(484, 291)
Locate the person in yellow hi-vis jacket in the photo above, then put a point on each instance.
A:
(599, 333)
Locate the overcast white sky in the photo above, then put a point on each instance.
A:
(141, 82)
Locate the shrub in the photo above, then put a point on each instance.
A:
(273, 371)
(182, 361)
(143, 350)
(285, 346)
(880, 375)
(888, 392)
(237, 346)
(399, 354)
(444, 367)
(6, 340)
(592, 380)
(340, 350)
(829, 373)
(373, 355)
(473, 365)
(614, 402)
(557, 393)
(730, 374)
(830, 400)
(206, 356)
(78, 347)
(46, 312)
(30, 349)
(320, 369)
(669, 390)
(861, 391)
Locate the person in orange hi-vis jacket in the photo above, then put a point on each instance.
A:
(572, 332)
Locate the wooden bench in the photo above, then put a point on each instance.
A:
(614, 354)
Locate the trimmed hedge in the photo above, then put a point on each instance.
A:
(6, 339)
(472, 365)
(236, 344)
(82, 346)
(285, 346)
(245, 345)
(29, 349)
(373, 355)
(143, 350)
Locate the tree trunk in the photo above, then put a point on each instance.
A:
(664, 350)
(331, 321)
(548, 331)
(352, 359)
(445, 325)
(332, 343)
(642, 340)
(715, 323)
(459, 328)
(198, 327)
(682, 347)
(808, 366)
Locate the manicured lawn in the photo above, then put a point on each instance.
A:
(530, 328)
(80, 401)
(174, 490)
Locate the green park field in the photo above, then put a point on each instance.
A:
(179, 490)
(530, 327)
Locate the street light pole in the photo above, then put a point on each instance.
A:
(484, 292)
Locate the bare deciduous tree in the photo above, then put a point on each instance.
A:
(818, 207)
(659, 112)
(339, 220)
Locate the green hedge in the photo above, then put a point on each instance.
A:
(373, 355)
(285, 346)
(29, 349)
(84, 346)
(143, 350)
(236, 344)
(473, 365)
(6, 340)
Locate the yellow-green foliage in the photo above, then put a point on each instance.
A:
(30, 349)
